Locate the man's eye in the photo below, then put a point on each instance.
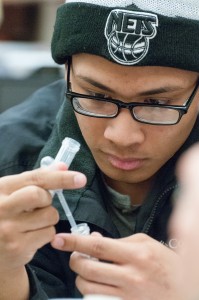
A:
(156, 101)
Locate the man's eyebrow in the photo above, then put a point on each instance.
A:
(154, 91)
(161, 90)
(95, 83)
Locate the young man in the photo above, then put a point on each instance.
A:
(132, 101)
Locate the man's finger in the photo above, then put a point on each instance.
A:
(45, 178)
(25, 199)
(89, 287)
(98, 247)
(94, 270)
(38, 238)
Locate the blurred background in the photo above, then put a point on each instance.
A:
(25, 59)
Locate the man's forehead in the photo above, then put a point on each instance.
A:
(90, 66)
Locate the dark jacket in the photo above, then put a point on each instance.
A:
(49, 271)
(25, 128)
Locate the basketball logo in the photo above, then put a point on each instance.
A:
(128, 34)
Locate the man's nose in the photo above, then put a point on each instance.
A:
(124, 130)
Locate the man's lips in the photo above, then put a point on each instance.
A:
(125, 163)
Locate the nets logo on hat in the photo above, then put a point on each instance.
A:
(128, 34)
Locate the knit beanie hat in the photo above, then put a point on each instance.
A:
(130, 32)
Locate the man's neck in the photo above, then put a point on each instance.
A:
(137, 191)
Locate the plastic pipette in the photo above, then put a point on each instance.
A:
(66, 209)
(66, 154)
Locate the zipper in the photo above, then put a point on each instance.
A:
(153, 213)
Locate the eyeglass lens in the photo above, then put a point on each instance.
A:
(147, 114)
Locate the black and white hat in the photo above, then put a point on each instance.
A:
(130, 32)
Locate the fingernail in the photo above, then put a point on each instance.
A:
(58, 242)
(79, 180)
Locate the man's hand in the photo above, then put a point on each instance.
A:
(136, 267)
(27, 220)
(184, 224)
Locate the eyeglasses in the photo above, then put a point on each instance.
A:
(154, 114)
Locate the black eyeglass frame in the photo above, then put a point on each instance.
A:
(182, 109)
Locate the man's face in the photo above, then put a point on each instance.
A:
(125, 150)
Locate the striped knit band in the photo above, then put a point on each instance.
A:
(130, 32)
